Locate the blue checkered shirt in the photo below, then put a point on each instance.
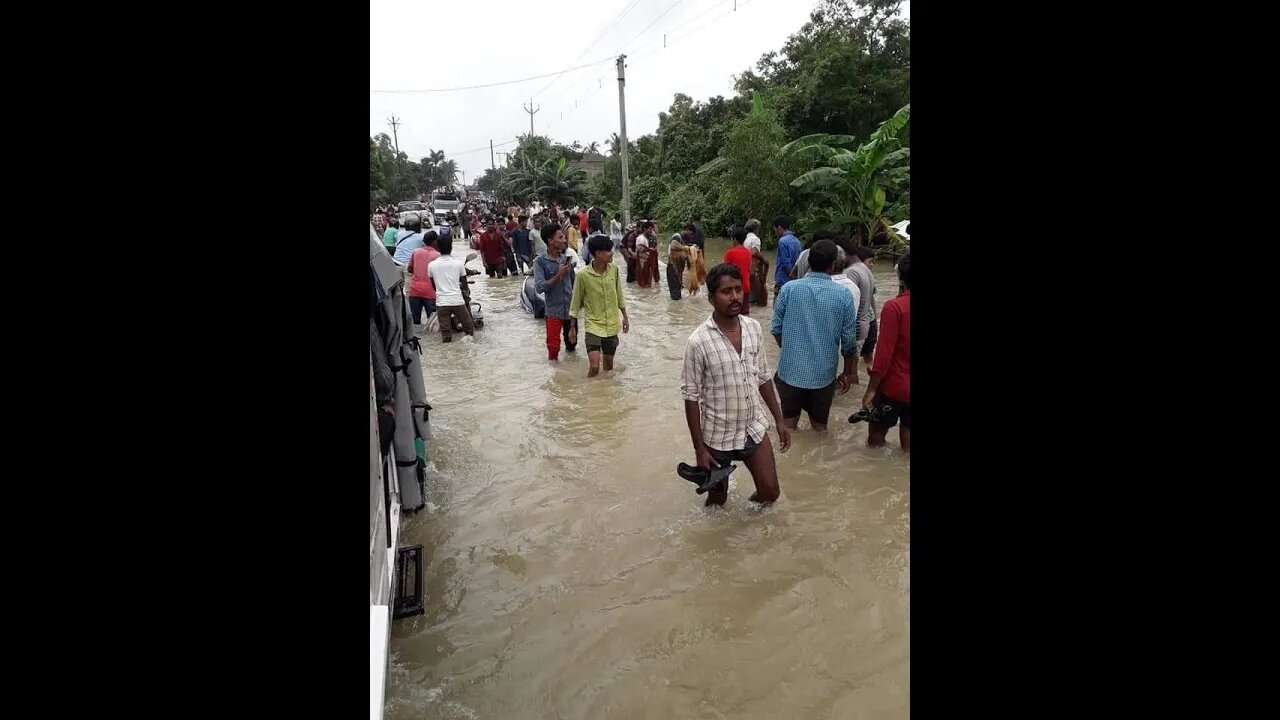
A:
(818, 322)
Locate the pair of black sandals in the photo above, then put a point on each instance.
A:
(706, 480)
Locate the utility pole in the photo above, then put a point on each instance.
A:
(622, 137)
(492, 166)
(531, 114)
(395, 123)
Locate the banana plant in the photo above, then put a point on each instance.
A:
(848, 188)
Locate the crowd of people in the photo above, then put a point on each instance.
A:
(823, 311)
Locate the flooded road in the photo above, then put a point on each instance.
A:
(572, 574)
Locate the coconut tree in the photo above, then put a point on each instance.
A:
(848, 189)
(558, 183)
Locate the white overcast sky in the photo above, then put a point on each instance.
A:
(422, 44)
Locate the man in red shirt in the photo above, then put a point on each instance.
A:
(582, 222)
(740, 257)
(888, 397)
(422, 293)
(491, 242)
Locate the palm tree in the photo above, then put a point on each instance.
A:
(594, 147)
(446, 173)
(559, 183)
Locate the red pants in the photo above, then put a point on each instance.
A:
(555, 328)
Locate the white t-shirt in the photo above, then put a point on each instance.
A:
(752, 242)
(642, 241)
(445, 272)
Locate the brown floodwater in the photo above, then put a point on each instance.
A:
(571, 574)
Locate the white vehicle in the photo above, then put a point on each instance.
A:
(411, 207)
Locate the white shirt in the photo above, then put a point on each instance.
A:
(726, 385)
(575, 257)
(615, 231)
(752, 242)
(445, 273)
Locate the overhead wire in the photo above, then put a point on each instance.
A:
(612, 25)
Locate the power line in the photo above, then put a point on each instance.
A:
(601, 35)
(655, 21)
(696, 29)
(489, 85)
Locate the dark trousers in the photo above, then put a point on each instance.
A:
(673, 281)
(418, 304)
(631, 270)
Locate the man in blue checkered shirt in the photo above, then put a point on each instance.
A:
(814, 319)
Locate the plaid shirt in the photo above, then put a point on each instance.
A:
(725, 384)
(379, 223)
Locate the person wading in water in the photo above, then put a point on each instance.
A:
(725, 366)
(553, 277)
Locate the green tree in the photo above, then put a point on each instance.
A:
(851, 183)
(752, 175)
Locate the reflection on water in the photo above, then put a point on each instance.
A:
(572, 574)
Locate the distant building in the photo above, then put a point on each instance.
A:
(591, 163)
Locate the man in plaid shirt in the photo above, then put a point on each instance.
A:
(724, 367)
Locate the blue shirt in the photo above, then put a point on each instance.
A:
(556, 297)
(788, 251)
(520, 239)
(818, 322)
(406, 245)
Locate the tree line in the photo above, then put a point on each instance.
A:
(393, 177)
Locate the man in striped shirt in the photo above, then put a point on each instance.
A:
(724, 368)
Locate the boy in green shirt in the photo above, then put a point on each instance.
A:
(597, 295)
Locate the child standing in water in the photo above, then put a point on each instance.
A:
(597, 299)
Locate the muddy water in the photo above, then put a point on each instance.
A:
(572, 574)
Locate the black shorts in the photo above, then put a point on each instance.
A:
(724, 457)
(609, 345)
(890, 412)
(869, 345)
(815, 402)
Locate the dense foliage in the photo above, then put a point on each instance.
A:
(393, 177)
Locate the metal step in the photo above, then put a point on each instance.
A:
(408, 602)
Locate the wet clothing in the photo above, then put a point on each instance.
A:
(726, 384)
(814, 401)
(608, 344)
(491, 246)
(556, 327)
(556, 296)
(818, 322)
(597, 298)
(893, 356)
